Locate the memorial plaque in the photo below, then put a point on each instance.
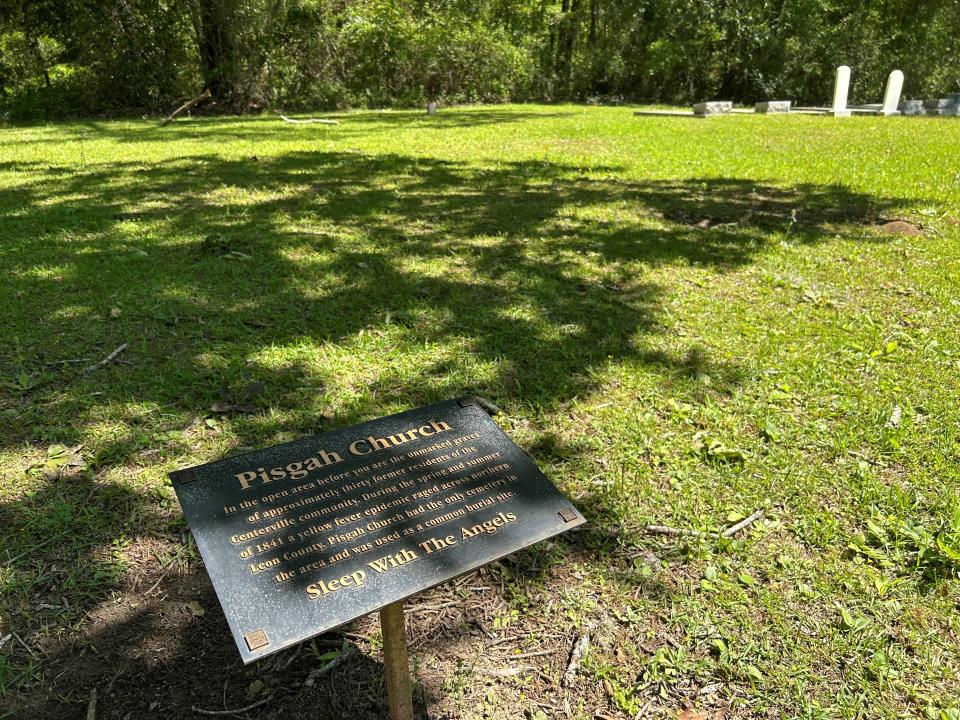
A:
(303, 537)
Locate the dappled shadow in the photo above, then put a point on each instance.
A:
(160, 647)
(161, 654)
(506, 263)
(512, 281)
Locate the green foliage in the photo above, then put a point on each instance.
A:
(902, 544)
(84, 57)
(147, 55)
(641, 297)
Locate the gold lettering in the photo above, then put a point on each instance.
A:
(356, 450)
(244, 479)
(378, 443)
(320, 588)
(329, 458)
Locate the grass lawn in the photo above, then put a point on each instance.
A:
(683, 321)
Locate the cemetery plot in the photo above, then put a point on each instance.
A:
(303, 537)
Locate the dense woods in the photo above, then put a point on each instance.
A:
(88, 57)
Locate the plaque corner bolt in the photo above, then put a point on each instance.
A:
(567, 515)
(256, 639)
(183, 476)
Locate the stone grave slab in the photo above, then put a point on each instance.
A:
(719, 107)
(772, 106)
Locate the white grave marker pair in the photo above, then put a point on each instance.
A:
(891, 94)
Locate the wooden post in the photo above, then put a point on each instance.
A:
(395, 661)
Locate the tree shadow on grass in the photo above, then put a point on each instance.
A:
(521, 281)
(215, 260)
(265, 127)
(160, 647)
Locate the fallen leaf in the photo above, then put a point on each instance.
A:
(770, 431)
(894, 421)
(255, 689)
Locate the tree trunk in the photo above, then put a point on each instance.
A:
(592, 38)
(38, 56)
(568, 30)
(214, 30)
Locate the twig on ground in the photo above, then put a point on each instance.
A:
(294, 656)
(508, 672)
(321, 671)
(186, 106)
(92, 705)
(683, 532)
(539, 653)
(159, 580)
(576, 656)
(543, 676)
(37, 547)
(861, 456)
(25, 646)
(503, 640)
(677, 532)
(307, 121)
(239, 711)
(5, 639)
(106, 360)
(746, 522)
(643, 710)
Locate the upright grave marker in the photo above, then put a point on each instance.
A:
(306, 536)
(841, 88)
(891, 94)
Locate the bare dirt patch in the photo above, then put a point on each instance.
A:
(901, 227)
(161, 648)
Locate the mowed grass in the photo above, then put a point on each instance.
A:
(683, 321)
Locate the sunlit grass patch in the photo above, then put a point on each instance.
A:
(681, 322)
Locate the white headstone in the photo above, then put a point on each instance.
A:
(431, 108)
(891, 96)
(841, 88)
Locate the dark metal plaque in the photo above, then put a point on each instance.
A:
(302, 537)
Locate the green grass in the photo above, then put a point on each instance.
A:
(682, 320)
